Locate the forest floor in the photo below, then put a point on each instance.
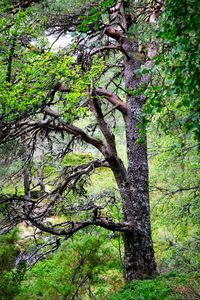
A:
(168, 286)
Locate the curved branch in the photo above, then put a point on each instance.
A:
(85, 169)
(28, 125)
(109, 137)
(113, 33)
(104, 48)
(76, 226)
(112, 98)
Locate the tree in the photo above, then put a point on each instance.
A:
(172, 96)
(58, 92)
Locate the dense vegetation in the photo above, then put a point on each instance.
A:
(78, 124)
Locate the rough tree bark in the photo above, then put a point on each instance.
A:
(139, 255)
(139, 261)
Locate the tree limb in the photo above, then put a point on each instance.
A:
(112, 98)
(76, 226)
(81, 170)
(28, 125)
(104, 48)
(113, 33)
(109, 137)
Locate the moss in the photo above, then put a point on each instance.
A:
(75, 159)
(102, 179)
(167, 286)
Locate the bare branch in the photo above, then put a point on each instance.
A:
(179, 190)
(112, 98)
(74, 227)
(110, 139)
(113, 33)
(28, 125)
(104, 48)
(81, 170)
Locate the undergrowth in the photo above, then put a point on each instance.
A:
(167, 286)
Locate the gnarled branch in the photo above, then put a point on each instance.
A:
(112, 98)
(74, 227)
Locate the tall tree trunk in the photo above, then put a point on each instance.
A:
(139, 259)
(139, 262)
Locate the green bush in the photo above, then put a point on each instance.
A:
(85, 265)
(10, 277)
(167, 286)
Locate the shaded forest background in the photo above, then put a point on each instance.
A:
(89, 265)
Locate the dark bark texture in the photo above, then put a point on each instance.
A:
(139, 259)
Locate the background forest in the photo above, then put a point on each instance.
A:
(63, 95)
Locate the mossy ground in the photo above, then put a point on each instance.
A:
(167, 286)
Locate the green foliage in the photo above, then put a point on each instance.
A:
(8, 250)
(36, 75)
(30, 73)
(84, 265)
(68, 6)
(168, 286)
(175, 91)
(174, 202)
(93, 19)
(10, 277)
